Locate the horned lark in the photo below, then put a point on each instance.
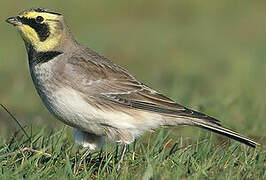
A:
(91, 94)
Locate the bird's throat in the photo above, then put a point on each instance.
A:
(36, 57)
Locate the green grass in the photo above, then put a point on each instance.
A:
(52, 155)
(209, 56)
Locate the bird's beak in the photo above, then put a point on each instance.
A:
(14, 21)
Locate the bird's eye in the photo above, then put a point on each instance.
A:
(39, 19)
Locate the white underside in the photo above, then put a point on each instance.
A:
(70, 107)
(73, 110)
(87, 140)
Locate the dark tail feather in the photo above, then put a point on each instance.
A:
(224, 131)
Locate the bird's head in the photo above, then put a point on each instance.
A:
(43, 29)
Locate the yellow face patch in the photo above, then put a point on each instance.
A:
(31, 30)
(28, 34)
(33, 14)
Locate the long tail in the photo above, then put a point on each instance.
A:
(223, 131)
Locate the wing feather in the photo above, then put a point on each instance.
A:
(108, 83)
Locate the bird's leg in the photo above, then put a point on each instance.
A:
(122, 157)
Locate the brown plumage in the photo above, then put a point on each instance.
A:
(92, 94)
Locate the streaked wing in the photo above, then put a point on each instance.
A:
(108, 82)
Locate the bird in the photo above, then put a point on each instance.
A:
(96, 97)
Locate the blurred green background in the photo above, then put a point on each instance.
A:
(207, 55)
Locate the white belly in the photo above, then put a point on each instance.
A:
(69, 106)
(72, 108)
